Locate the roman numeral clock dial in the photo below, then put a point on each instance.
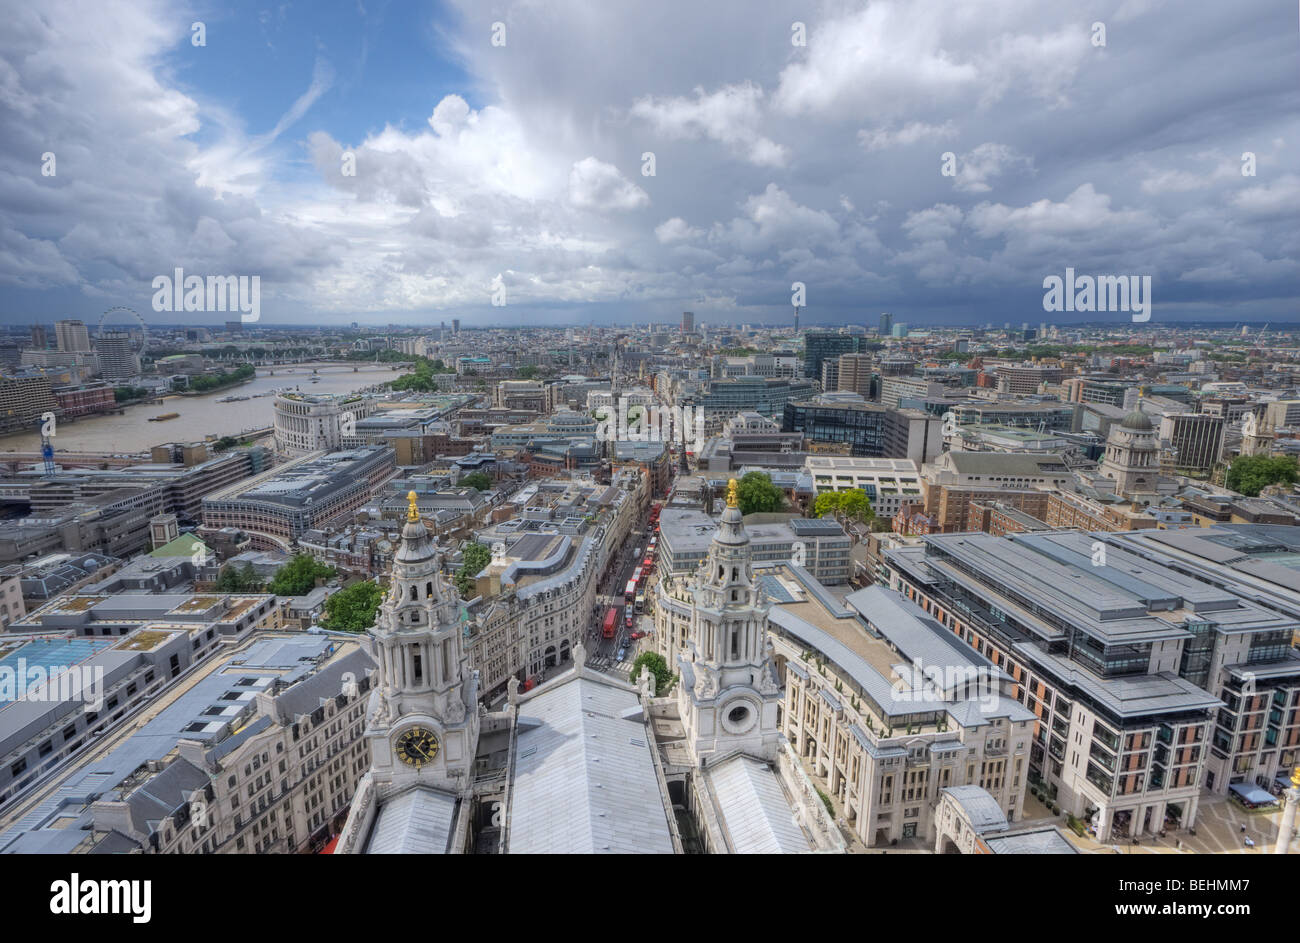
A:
(417, 746)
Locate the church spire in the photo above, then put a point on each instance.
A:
(422, 719)
(728, 696)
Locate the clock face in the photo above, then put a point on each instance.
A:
(417, 746)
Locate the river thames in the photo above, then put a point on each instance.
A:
(200, 416)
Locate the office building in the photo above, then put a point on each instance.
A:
(117, 361)
(1196, 441)
(24, 398)
(1026, 379)
(820, 546)
(854, 374)
(276, 507)
(72, 337)
(1146, 683)
(888, 482)
(820, 346)
(306, 422)
(868, 429)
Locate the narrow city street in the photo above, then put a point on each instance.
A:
(603, 653)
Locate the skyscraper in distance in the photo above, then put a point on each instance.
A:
(72, 336)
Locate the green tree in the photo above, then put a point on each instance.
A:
(238, 579)
(299, 576)
(479, 481)
(526, 373)
(828, 502)
(213, 381)
(855, 506)
(124, 394)
(757, 494)
(663, 675)
(849, 505)
(352, 609)
(474, 557)
(1251, 474)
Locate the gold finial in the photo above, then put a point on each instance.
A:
(1295, 778)
(733, 494)
(413, 512)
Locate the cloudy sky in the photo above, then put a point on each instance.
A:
(515, 158)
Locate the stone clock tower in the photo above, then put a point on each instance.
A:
(729, 694)
(422, 721)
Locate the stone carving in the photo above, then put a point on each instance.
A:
(707, 684)
(381, 708)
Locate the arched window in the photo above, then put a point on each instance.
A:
(414, 595)
(428, 590)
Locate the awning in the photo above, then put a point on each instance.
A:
(1252, 794)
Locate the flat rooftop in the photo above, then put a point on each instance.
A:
(203, 705)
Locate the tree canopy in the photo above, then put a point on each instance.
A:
(663, 675)
(1251, 474)
(213, 381)
(479, 481)
(299, 576)
(238, 579)
(849, 505)
(475, 556)
(352, 609)
(757, 494)
(421, 379)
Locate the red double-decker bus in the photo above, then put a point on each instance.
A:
(611, 620)
(629, 594)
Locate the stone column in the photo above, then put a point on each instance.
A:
(1103, 824)
(1287, 828)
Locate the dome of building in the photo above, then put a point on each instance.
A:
(1138, 421)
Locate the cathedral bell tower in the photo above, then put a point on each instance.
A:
(422, 719)
(729, 695)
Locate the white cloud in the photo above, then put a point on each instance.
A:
(938, 222)
(730, 115)
(1084, 211)
(676, 230)
(975, 168)
(911, 133)
(1278, 198)
(595, 185)
(1124, 156)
